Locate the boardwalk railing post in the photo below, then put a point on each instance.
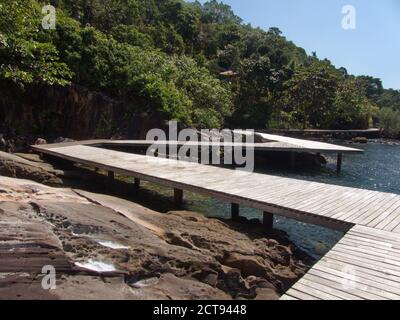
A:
(268, 220)
(178, 197)
(292, 160)
(339, 163)
(136, 182)
(234, 211)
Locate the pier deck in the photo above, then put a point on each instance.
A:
(272, 143)
(370, 218)
(364, 265)
(284, 144)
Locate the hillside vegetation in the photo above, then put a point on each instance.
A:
(196, 63)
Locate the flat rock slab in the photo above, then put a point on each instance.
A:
(103, 247)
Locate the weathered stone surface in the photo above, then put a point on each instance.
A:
(15, 166)
(180, 255)
(69, 111)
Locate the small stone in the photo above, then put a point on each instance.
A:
(40, 141)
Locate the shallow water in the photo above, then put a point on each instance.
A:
(94, 265)
(377, 169)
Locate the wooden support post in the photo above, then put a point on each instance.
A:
(268, 220)
(292, 160)
(317, 159)
(110, 175)
(234, 211)
(136, 182)
(339, 163)
(178, 197)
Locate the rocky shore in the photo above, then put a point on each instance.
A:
(106, 247)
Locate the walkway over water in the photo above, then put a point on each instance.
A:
(365, 264)
(306, 145)
(273, 143)
(370, 218)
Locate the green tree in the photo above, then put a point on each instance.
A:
(352, 108)
(389, 98)
(311, 93)
(197, 63)
(26, 55)
(389, 120)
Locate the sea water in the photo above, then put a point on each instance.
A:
(377, 169)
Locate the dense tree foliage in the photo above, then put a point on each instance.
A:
(25, 54)
(390, 120)
(197, 63)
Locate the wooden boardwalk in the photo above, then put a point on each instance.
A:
(365, 264)
(282, 144)
(271, 143)
(310, 145)
(355, 132)
(371, 219)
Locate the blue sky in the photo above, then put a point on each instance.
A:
(373, 48)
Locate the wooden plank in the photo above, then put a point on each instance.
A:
(372, 257)
(365, 262)
(301, 295)
(353, 287)
(392, 220)
(324, 197)
(375, 246)
(368, 251)
(361, 204)
(331, 202)
(364, 230)
(391, 283)
(369, 284)
(385, 206)
(349, 198)
(307, 144)
(309, 281)
(288, 297)
(303, 287)
(336, 283)
(370, 206)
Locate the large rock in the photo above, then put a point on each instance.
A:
(69, 111)
(15, 166)
(109, 248)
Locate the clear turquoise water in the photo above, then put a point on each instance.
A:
(377, 169)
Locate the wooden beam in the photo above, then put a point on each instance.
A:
(111, 175)
(339, 163)
(234, 211)
(268, 220)
(136, 182)
(178, 197)
(292, 160)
